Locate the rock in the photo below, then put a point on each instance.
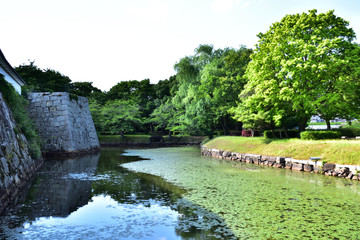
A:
(288, 165)
(329, 166)
(350, 175)
(297, 167)
(308, 168)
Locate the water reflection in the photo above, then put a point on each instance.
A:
(94, 197)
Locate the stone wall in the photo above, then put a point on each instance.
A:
(16, 166)
(329, 169)
(65, 125)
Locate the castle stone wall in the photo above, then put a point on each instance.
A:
(65, 125)
(16, 165)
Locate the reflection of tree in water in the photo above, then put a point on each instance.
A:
(60, 188)
(126, 187)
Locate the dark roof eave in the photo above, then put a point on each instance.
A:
(10, 70)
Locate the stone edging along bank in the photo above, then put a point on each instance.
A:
(329, 169)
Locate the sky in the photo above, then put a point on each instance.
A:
(108, 41)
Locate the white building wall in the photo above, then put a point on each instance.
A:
(10, 80)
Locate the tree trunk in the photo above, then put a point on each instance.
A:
(280, 133)
(328, 125)
(286, 135)
(224, 125)
(303, 123)
(122, 135)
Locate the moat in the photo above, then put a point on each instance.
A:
(175, 193)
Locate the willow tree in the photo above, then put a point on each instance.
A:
(305, 64)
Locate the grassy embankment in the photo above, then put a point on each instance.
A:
(333, 151)
(146, 139)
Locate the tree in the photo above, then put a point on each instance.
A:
(303, 65)
(43, 80)
(84, 89)
(209, 83)
(117, 116)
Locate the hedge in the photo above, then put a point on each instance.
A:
(316, 135)
(276, 133)
(349, 132)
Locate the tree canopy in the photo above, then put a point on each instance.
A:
(306, 64)
(208, 86)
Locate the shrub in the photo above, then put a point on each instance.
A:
(18, 106)
(235, 133)
(316, 135)
(349, 132)
(248, 133)
(293, 133)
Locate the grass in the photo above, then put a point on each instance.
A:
(333, 151)
(146, 139)
(324, 123)
(353, 125)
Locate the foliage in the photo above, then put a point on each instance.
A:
(43, 80)
(84, 89)
(250, 133)
(116, 117)
(281, 133)
(18, 106)
(316, 135)
(162, 117)
(349, 132)
(208, 85)
(306, 64)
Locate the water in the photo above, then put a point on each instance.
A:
(174, 193)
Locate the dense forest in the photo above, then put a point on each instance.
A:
(306, 64)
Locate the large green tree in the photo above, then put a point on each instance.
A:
(40, 80)
(305, 64)
(208, 86)
(116, 116)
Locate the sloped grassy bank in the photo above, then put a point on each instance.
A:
(345, 152)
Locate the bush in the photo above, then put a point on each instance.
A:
(276, 133)
(316, 135)
(248, 133)
(349, 132)
(235, 133)
(18, 106)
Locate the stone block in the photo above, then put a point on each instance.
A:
(288, 165)
(328, 167)
(308, 167)
(297, 167)
(277, 165)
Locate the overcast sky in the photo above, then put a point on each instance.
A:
(108, 41)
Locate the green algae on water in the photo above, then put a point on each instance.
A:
(257, 201)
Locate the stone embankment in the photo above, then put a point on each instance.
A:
(65, 125)
(16, 165)
(330, 169)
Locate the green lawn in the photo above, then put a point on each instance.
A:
(324, 123)
(334, 151)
